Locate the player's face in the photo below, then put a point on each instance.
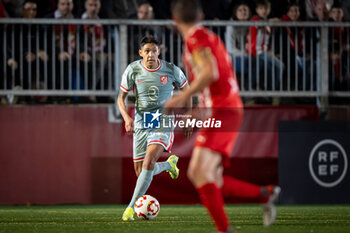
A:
(149, 53)
(294, 13)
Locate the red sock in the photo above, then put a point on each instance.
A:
(236, 188)
(212, 199)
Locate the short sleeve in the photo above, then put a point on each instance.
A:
(127, 80)
(180, 78)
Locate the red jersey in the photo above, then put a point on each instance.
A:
(222, 94)
(223, 91)
(258, 38)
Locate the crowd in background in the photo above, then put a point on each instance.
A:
(293, 57)
(213, 9)
(243, 43)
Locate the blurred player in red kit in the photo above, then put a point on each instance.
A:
(211, 73)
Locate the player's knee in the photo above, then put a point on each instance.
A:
(149, 163)
(138, 171)
(196, 172)
(218, 176)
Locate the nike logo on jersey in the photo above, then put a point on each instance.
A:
(139, 81)
(161, 139)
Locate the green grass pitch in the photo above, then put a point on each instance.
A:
(171, 219)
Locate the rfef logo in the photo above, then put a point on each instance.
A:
(151, 120)
(328, 163)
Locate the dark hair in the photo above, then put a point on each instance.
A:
(234, 11)
(149, 40)
(290, 5)
(265, 3)
(31, 1)
(188, 11)
(337, 5)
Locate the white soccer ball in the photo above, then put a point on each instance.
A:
(147, 207)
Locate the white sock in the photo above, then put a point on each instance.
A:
(160, 167)
(143, 182)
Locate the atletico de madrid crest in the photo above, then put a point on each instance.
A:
(164, 79)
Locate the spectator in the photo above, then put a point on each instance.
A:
(258, 45)
(64, 46)
(45, 7)
(317, 9)
(346, 8)
(338, 50)
(215, 9)
(292, 52)
(144, 12)
(93, 43)
(161, 9)
(119, 9)
(235, 43)
(13, 7)
(33, 54)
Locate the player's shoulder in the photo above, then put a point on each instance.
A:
(168, 65)
(135, 66)
(202, 37)
(200, 34)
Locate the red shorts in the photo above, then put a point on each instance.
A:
(223, 140)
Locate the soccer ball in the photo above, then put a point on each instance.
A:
(147, 207)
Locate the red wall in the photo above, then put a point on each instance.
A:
(72, 154)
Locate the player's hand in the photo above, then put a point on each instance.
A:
(129, 125)
(176, 101)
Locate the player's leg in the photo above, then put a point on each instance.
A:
(152, 155)
(159, 167)
(139, 152)
(166, 139)
(268, 195)
(269, 208)
(203, 173)
(236, 188)
(138, 167)
(144, 179)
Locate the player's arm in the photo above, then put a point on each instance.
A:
(129, 122)
(188, 102)
(205, 72)
(188, 105)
